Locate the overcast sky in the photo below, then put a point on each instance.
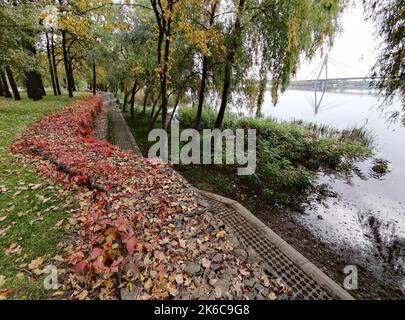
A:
(354, 49)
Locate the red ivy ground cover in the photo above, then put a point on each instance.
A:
(139, 224)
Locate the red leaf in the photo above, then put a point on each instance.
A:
(80, 266)
(161, 268)
(99, 267)
(121, 224)
(96, 252)
(131, 243)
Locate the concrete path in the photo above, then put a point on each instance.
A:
(307, 281)
(121, 135)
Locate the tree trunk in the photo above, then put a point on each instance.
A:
(175, 107)
(66, 63)
(48, 51)
(43, 92)
(201, 94)
(7, 92)
(145, 101)
(72, 78)
(225, 93)
(260, 97)
(154, 105)
(133, 93)
(13, 85)
(126, 96)
(204, 77)
(34, 88)
(237, 34)
(1, 88)
(55, 67)
(164, 24)
(152, 124)
(28, 86)
(165, 99)
(94, 79)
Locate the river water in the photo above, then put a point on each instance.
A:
(367, 219)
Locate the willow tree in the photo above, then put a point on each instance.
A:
(202, 31)
(173, 19)
(234, 44)
(282, 32)
(389, 71)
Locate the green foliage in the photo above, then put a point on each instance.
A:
(289, 30)
(19, 29)
(290, 155)
(389, 71)
(207, 119)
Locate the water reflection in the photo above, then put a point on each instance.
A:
(368, 216)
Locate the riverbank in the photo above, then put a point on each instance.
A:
(279, 219)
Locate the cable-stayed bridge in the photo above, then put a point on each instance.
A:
(333, 84)
(349, 81)
(319, 83)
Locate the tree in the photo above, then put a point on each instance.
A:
(202, 33)
(389, 71)
(1, 88)
(51, 66)
(282, 31)
(74, 21)
(13, 84)
(235, 43)
(164, 12)
(7, 92)
(54, 65)
(19, 34)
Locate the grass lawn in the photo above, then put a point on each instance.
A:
(31, 208)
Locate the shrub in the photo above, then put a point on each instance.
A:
(290, 155)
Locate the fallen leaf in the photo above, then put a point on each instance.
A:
(34, 264)
(244, 272)
(58, 293)
(221, 234)
(15, 195)
(272, 296)
(3, 231)
(58, 258)
(20, 275)
(96, 252)
(179, 278)
(148, 284)
(265, 280)
(3, 218)
(59, 223)
(4, 293)
(38, 272)
(205, 262)
(83, 295)
(14, 248)
(2, 280)
(182, 243)
(34, 186)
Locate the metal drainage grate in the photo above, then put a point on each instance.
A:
(282, 266)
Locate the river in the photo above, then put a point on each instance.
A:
(367, 219)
